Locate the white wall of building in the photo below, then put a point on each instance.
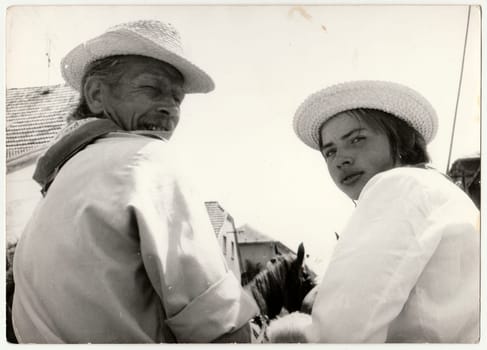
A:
(229, 247)
(21, 196)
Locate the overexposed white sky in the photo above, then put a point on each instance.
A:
(237, 142)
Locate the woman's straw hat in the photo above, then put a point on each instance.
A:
(389, 97)
(145, 38)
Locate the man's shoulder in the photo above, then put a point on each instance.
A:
(130, 152)
(127, 161)
(123, 143)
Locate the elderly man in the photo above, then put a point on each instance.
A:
(119, 249)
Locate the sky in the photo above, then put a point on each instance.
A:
(237, 143)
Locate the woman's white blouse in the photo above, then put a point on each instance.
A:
(406, 267)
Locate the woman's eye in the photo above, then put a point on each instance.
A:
(357, 139)
(329, 153)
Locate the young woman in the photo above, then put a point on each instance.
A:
(406, 267)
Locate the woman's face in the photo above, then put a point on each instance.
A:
(354, 152)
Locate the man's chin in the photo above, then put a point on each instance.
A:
(164, 135)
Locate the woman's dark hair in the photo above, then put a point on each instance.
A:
(109, 70)
(407, 145)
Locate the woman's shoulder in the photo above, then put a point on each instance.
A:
(399, 177)
(419, 175)
(408, 181)
(414, 182)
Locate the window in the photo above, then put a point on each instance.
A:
(224, 245)
(233, 250)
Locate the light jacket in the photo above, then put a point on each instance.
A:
(121, 250)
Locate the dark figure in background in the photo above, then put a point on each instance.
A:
(465, 172)
(10, 288)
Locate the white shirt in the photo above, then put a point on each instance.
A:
(406, 267)
(120, 250)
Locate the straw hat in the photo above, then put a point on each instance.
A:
(389, 97)
(145, 38)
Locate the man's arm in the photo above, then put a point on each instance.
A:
(201, 297)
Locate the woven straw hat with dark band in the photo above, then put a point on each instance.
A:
(145, 38)
(393, 98)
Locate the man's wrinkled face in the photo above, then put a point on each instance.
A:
(146, 97)
(354, 152)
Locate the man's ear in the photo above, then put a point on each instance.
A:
(93, 92)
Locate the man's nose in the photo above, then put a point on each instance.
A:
(169, 111)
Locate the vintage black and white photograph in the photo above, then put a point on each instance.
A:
(242, 173)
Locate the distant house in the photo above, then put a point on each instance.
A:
(256, 249)
(224, 227)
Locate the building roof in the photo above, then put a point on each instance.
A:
(217, 215)
(34, 116)
(248, 234)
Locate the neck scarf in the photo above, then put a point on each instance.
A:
(70, 140)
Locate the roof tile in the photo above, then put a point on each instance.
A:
(35, 115)
(216, 214)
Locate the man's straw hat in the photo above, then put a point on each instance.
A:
(145, 38)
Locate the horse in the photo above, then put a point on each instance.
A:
(284, 283)
(291, 328)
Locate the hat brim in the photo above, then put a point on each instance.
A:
(122, 42)
(389, 97)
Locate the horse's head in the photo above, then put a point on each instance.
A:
(284, 282)
(299, 281)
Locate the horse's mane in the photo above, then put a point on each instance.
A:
(268, 286)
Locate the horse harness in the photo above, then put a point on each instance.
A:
(258, 327)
